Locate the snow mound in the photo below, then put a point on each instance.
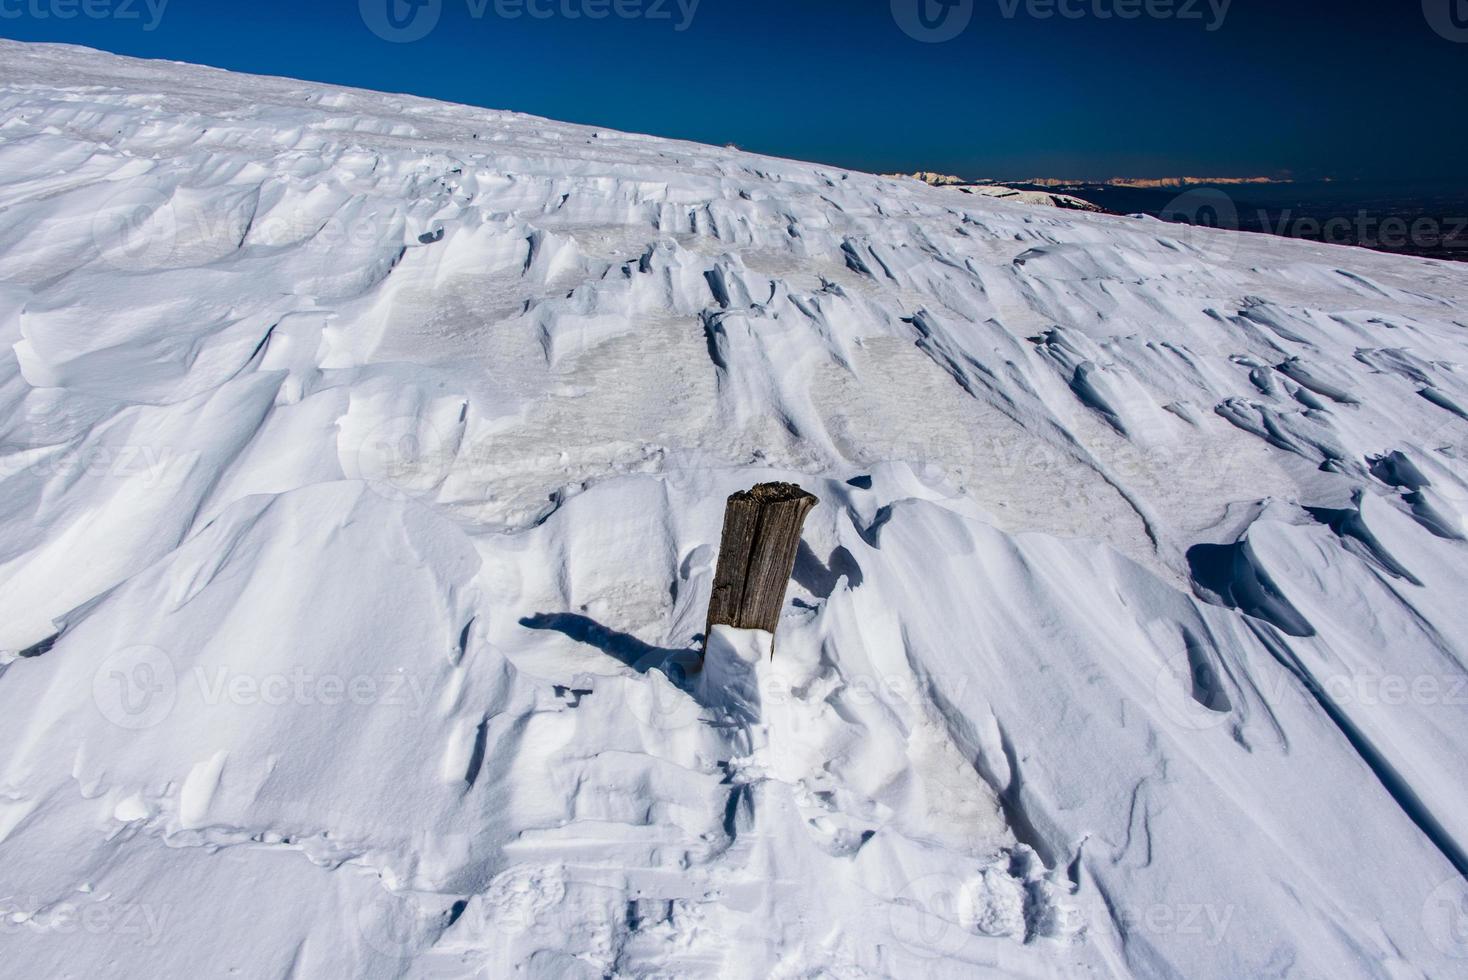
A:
(364, 460)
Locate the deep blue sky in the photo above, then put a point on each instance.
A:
(1316, 87)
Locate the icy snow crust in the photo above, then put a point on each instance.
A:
(364, 459)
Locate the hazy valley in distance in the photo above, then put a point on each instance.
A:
(1426, 219)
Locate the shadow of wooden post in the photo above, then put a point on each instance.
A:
(757, 556)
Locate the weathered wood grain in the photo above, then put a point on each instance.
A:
(757, 555)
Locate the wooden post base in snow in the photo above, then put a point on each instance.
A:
(757, 555)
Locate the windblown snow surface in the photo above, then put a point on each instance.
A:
(364, 461)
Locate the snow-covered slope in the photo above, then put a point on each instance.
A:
(363, 466)
(988, 189)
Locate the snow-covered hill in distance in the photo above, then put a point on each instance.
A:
(1427, 219)
(1004, 192)
(364, 460)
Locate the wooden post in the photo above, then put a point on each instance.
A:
(757, 555)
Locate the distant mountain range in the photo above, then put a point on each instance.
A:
(1153, 182)
(1020, 195)
(1411, 218)
(949, 180)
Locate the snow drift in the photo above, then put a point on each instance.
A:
(364, 460)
